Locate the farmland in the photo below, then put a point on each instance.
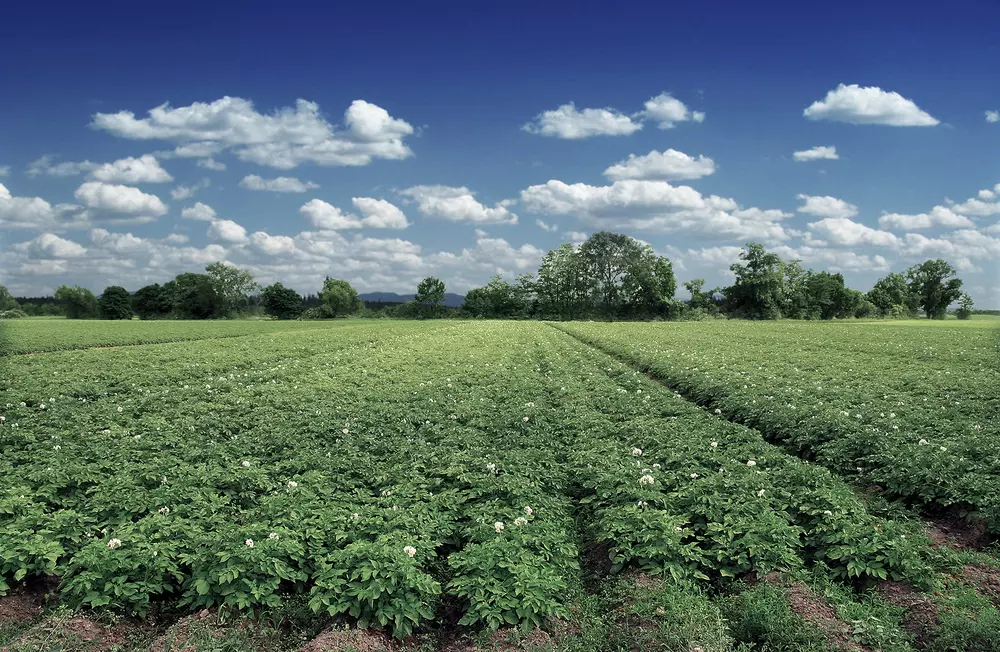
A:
(579, 486)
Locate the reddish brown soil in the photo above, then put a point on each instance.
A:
(960, 533)
(506, 640)
(985, 579)
(921, 616)
(73, 633)
(816, 611)
(356, 640)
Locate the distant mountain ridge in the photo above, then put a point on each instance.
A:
(451, 299)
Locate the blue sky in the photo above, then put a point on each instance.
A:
(464, 139)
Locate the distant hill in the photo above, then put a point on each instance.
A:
(451, 299)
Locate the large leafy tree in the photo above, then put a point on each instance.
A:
(195, 297)
(932, 283)
(627, 276)
(965, 306)
(152, 301)
(429, 300)
(339, 298)
(78, 302)
(233, 285)
(699, 298)
(7, 301)
(281, 302)
(499, 298)
(563, 288)
(891, 296)
(115, 303)
(757, 292)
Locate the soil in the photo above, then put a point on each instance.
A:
(959, 533)
(506, 640)
(73, 633)
(595, 561)
(921, 617)
(986, 579)
(177, 636)
(26, 602)
(356, 640)
(816, 611)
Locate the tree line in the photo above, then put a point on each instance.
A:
(609, 276)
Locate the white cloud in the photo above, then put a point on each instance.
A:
(848, 233)
(834, 260)
(977, 206)
(826, 206)
(937, 216)
(328, 217)
(36, 213)
(176, 238)
(958, 247)
(187, 192)
(669, 165)
(211, 164)
(818, 153)
(272, 245)
(227, 231)
(49, 245)
(283, 139)
(196, 150)
(656, 207)
(993, 116)
(4, 170)
(45, 165)
(457, 204)
(119, 199)
(570, 123)
(668, 110)
(379, 213)
(576, 237)
(869, 105)
(545, 226)
(280, 184)
(200, 211)
(145, 169)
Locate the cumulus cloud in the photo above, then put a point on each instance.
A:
(227, 231)
(937, 216)
(200, 211)
(145, 169)
(570, 123)
(379, 213)
(119, 199)
(818, 153)
(187, 192)
(49, 245)
(272, 245)
(545, 226)
(869, 105)
(457, 204)
(993, 116)
(280, 184)
(961, 247)
(656, 207)
(667, 110)
(283, 139)
(826, 206)
(982, 205)
(669, 165)
(846, 232)
(36, 213)
(211, 164)
(47, 166)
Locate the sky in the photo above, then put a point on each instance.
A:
(382, 143)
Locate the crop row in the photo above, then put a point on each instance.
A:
(910, 410)
(38, 335)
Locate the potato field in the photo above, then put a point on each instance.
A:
(470, 485)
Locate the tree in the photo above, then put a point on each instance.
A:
(965, 306)
(339, 298)
(7, 301)
(232, 284)
(115, 303)
(931, 283)
(757, 292)
(429, 300)
(78, 302)
(794, 290)
(281, 302)
(563, 288)
(194, 297)
(152, 301)
(627, 276)
(698, 298)
(892, 291)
